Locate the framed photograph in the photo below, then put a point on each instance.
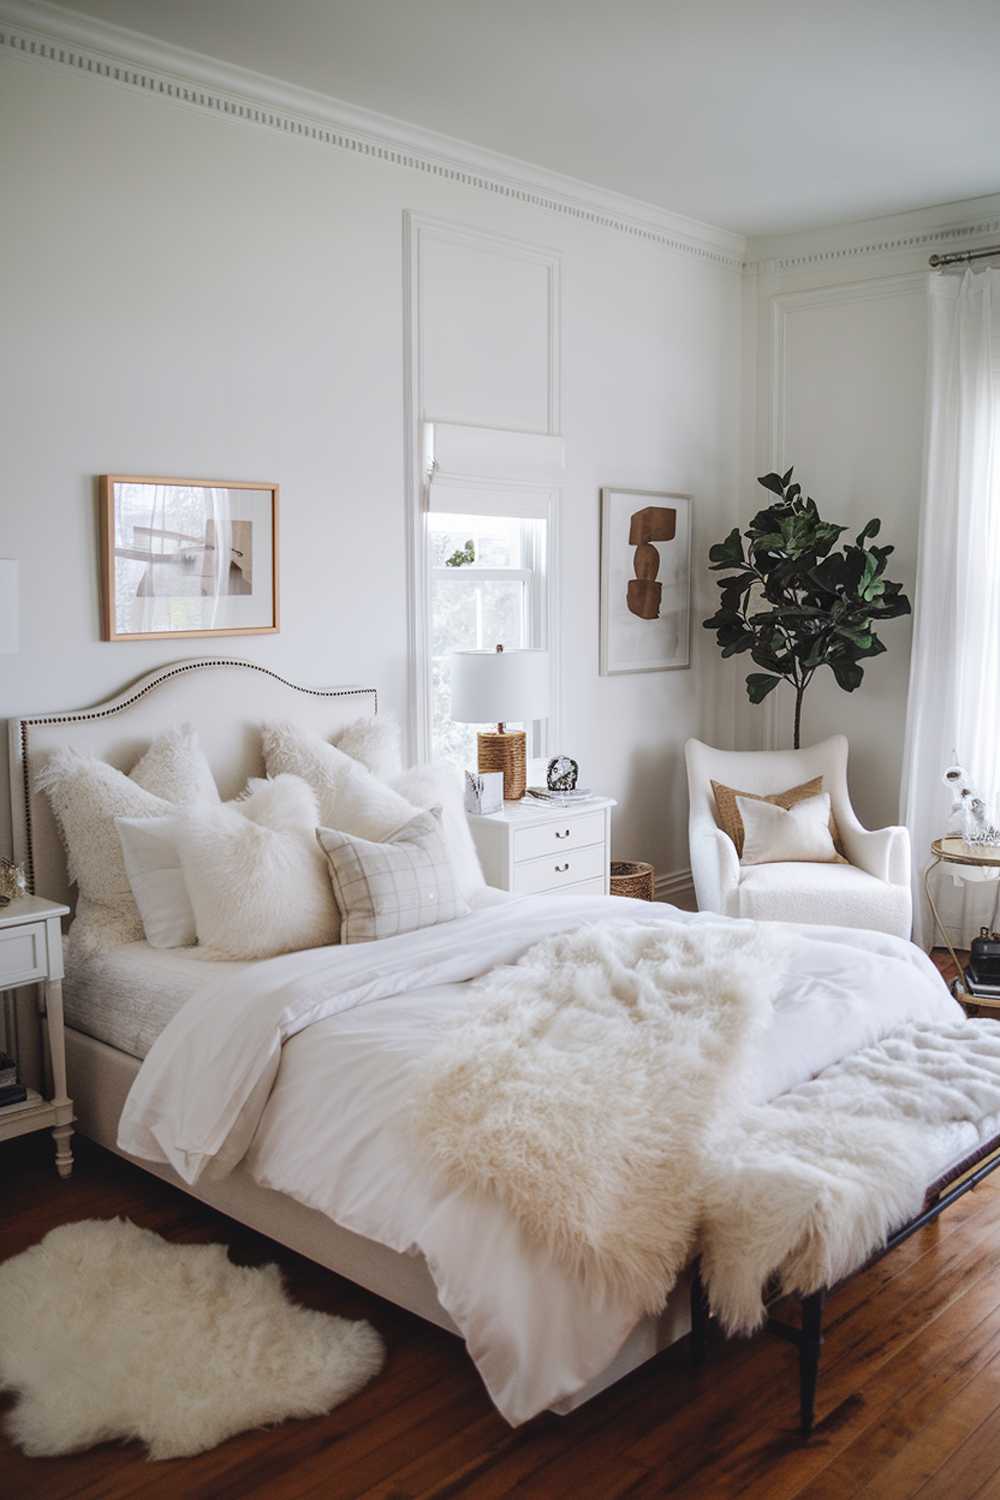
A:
(182, 557)
(645, 581)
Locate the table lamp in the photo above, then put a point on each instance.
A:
(498, 686)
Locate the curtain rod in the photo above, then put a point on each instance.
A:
(959, 255)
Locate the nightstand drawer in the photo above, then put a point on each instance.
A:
(22, 955)
(563, 868)
(577, 830)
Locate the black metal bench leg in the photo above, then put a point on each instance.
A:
(810, 1344)
(700, 1315)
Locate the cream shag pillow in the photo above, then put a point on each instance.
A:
(773, 834)
(399, 885)
(87, 795)
(376, 743)
(255, 876)
(349, 796)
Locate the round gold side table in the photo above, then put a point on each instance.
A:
(980, 864)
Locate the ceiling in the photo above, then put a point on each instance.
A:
(754, 115)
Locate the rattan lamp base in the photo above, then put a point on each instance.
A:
(506, 752)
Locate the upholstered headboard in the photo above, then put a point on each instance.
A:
(225, 700)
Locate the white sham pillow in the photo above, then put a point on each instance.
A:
(440, 785)
(153, 866)
(87, 795)
(399, 885)
(376, 742)
(773, 834)
(255, 875)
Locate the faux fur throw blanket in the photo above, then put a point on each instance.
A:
(810, 1186)
(583, 1092)
(602, 1094)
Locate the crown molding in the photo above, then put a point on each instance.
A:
(946, 226)
(47, 33)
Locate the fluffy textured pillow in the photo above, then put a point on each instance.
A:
(255, 876)
(355, 801)
(153, 866)
(772, 834)
(87, 795)
(727, 814)
(441, 785)
(376, 743)
(399, 885)
(349, 796)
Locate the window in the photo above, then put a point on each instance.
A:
(487, 587)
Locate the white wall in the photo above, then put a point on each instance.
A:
(193, 294)
(840, 324)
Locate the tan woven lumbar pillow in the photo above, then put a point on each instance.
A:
(727, 814)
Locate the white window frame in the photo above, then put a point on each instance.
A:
(540, 607)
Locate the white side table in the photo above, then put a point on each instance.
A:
(532, 848)
(31, 953)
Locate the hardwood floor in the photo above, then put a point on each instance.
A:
(909, 1399)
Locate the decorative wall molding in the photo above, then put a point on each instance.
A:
(418, 231)
(929, 237)
(783, 306)
(677, 889)
(48, 34)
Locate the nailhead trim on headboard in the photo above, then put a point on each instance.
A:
(110, 711)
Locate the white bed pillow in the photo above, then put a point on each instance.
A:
(400, 884)
(255, 875)
(772, 834)
(349, 796)
(442, 785)
(376, 742)
(153, 866)
(356, 802)
(87, 795)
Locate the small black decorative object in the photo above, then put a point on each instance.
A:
(562, 774)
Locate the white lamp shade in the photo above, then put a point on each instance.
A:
(8, 604)
(493, 687)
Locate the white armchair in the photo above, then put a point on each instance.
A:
(873, 891)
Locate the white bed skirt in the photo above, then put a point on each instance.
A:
(99, 1080)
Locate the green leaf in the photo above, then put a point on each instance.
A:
(872, 528)
(773, 482)
(848, 674)
(730, 552)
(786, 477)
(759, 685)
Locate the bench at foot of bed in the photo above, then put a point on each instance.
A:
(807, 1335)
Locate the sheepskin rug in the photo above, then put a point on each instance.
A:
(582, 1091)
(109, 1331)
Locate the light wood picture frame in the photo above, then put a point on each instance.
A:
(187, 557)
(645, 581)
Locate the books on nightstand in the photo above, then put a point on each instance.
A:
(12, 1091)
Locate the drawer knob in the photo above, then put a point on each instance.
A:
(564, 835)
(561, 869)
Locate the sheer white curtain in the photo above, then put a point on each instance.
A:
(954, 702)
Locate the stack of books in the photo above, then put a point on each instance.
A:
(559, 799)
(978, 988)
(12, 1091)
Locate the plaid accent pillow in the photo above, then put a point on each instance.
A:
(399, 885)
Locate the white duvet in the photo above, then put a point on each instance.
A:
(300, 1065)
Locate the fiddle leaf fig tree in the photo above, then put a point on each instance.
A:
(798, 601)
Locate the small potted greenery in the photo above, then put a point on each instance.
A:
(796, 600)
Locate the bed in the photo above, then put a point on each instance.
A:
(340, 1181)
(116, 1005)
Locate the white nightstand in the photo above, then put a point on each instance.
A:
(531, 848)
(31, 953)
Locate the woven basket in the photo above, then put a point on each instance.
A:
(633, 878)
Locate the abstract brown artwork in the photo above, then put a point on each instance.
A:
(654, 523)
